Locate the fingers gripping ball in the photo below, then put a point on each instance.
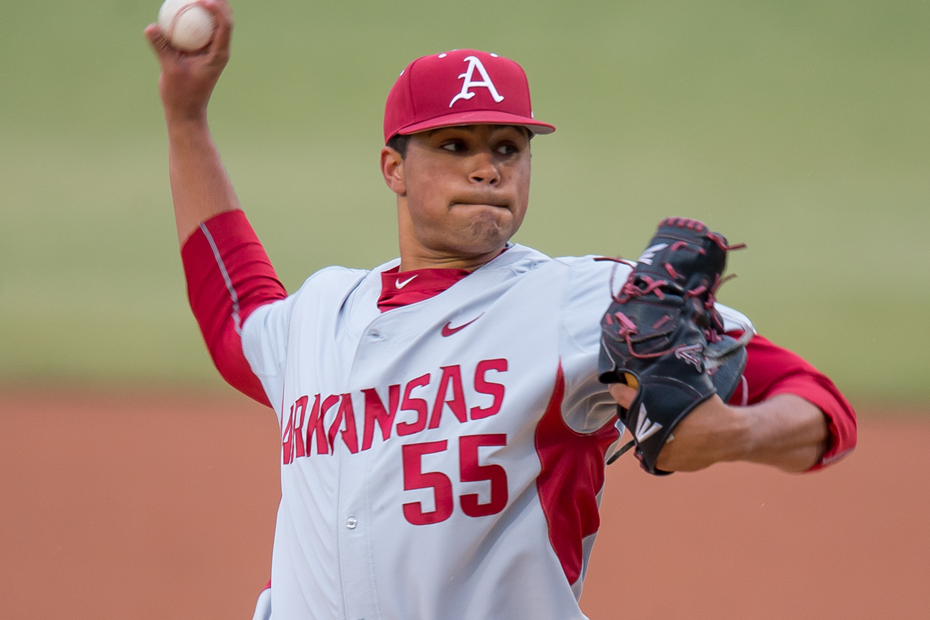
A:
(187, 25)
(663, 335)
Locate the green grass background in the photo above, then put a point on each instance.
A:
(799, 127)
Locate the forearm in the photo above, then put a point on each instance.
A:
(787, 432)
(200, 187)
(784, 431)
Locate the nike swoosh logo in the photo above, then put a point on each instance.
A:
(448, 330)
(400, 284)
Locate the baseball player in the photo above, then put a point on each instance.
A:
(444, 433)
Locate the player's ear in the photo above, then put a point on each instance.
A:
(392, 169)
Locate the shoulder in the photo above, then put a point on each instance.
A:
(598, 275)
(591, 264)
(330, 279)
(579, 281)
(519, 259)
(329, 283)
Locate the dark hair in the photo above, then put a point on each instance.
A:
(399, 143)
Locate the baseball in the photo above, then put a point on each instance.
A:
(187, 25)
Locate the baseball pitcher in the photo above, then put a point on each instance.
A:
(446, 417)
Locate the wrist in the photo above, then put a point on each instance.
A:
(745, 436)
(737, 433)
(188, 132)
(185, 119)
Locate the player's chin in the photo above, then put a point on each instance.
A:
(487, 234)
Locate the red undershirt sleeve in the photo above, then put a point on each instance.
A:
(772, 370)
(229, 276)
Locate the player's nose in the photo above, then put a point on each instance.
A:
(484, 169)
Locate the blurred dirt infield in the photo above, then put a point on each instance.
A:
(145, 507)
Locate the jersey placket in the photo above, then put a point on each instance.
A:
(354, 516)
(354, 538)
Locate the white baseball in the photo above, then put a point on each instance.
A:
(187, 26)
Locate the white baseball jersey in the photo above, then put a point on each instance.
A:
(444, 459)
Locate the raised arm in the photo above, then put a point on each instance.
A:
(228, 272)
(200, 187)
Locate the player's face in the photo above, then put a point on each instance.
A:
(464, 191)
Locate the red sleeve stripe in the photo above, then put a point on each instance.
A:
(229, 284)
(229, 276)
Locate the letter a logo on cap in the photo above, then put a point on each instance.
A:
(485, 82)
(438, 91)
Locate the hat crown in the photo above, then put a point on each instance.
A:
(457, 88)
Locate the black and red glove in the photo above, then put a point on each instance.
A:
(663, 336)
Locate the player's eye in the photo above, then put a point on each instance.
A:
(508, 148)
(453, 146)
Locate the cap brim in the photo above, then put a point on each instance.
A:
(477, 117)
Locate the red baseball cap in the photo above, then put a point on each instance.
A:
(461, 87)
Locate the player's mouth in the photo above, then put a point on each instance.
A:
(482, 202)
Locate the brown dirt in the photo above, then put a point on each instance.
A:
(163, 507)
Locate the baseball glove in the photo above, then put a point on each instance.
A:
(663, 336)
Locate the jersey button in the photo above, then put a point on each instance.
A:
(351, 523)
(374, 334)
